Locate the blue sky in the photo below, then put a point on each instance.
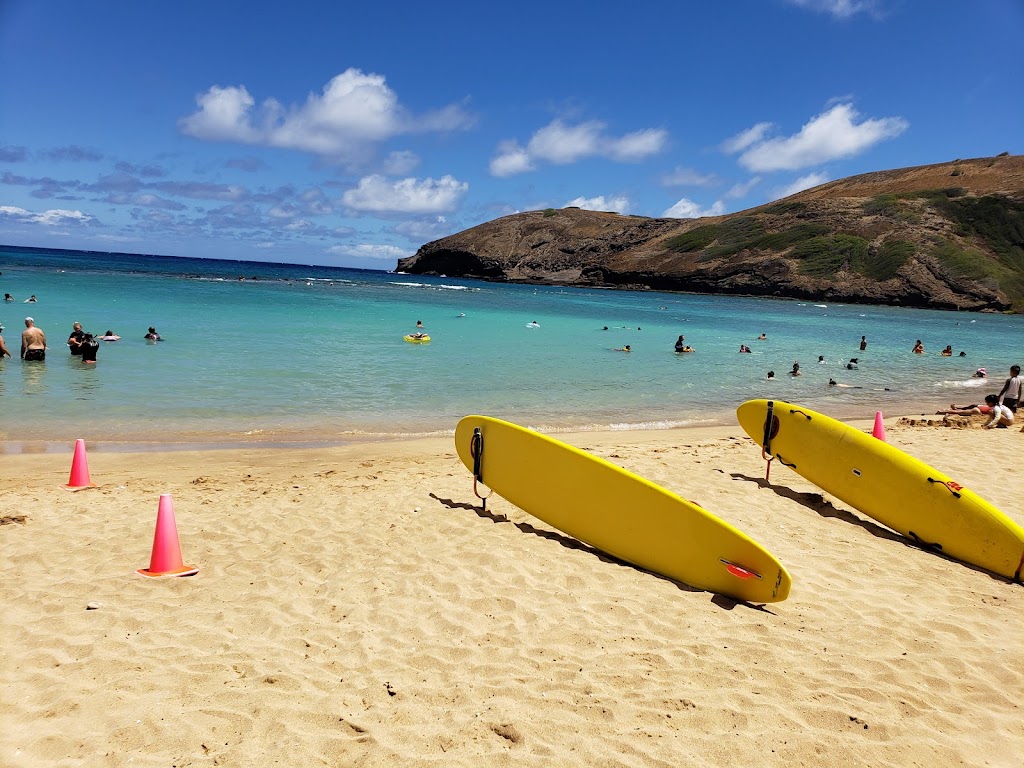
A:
(350, 134)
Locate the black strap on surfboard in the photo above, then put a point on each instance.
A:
(766, 440)
(476, 450)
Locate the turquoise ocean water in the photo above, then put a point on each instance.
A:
(314, 355)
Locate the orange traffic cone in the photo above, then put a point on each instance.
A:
(166, 557)
(879, 430)
(79, 469)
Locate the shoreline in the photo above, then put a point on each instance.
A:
(304, 440)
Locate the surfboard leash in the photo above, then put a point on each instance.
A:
(476, 450)
(766, 440)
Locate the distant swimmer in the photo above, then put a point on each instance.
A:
(834, 383)
(863, 343)
(981, 373)
(152, 335)
(821, 358)
(771, 376)
(962, 353)
(744, 348)
(533, 324)
(687, 348)
(419, 323)
(30, 300)
(948, 351)
(918, 348)
(33, 341)
(626, 348)
(110, 336)
(679, 343)
(852, 365)
(762, 337)
(8, 297)
(461, 314)
(796, 369)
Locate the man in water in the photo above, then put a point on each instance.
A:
(3, 347)
(33, 341)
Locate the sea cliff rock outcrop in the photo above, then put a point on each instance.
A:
(945, 236)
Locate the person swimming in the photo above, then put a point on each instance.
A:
(771, 376)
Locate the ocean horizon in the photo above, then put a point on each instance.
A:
(264, 354)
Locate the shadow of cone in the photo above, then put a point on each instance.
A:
(166, 557)
(879, 430)
(79, 478)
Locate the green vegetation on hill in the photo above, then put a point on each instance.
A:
(826, 255)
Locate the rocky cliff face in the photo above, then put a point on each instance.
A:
(947, 236)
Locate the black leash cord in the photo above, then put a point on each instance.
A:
(476, 450)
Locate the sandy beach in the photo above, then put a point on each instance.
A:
(354, 606)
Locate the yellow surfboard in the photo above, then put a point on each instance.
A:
(617, 511)
(416, 339)
(887, 484)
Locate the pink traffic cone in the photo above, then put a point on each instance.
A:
(166, 557)
(79, 469)
(879, 430)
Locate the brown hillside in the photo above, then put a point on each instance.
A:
(945, 236)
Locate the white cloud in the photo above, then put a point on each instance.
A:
(369, 251)
(829, 136)
(635, 146)
(355, 110)
(511, 159)
(743, 188)
(799, 185)
(224, 115)
(424, 229)
(601, 203)
(687, 177)
(559, 143)
(841, 9)
(379, 195)
(744, 139)
(687, 209)
(50, 218)
(401, 163)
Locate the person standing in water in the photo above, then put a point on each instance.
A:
(33, 341)
(863, 343)
(3, 346)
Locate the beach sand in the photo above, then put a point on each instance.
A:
(354, 606)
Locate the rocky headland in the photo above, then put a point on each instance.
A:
(944, 236)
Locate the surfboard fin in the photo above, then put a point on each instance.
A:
(739, 571)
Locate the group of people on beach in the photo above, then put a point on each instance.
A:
(1000, 408)
(80, 343)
